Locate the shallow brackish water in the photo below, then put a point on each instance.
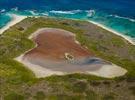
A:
(55, 57)
(118, 15)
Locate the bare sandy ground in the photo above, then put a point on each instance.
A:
(15, 19)
(48, 57)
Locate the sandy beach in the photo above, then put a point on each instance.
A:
(49, 56)
(129, 39)
(15, 19)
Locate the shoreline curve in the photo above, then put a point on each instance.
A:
(15, 19)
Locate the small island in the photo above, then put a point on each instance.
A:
(63, 56)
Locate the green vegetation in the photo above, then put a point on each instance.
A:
(16, 81)
(14, 96)
(40, 95)
(108, 97)
(132, 89)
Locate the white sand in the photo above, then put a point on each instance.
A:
(15, 19)
(109, 71)
(39, 71)
(129, 39)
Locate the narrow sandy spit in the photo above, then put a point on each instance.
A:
(129, 39)
(15, 19)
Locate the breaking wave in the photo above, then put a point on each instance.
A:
(116, 16)
(15, 9)
(2, 10)
(90, 13)
(65, 12)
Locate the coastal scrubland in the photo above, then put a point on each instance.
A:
(19, 83)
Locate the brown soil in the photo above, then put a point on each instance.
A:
(52, 44)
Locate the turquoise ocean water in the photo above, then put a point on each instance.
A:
(118, 15)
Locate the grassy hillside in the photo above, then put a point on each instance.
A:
(19, 83)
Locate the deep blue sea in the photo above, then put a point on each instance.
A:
(118, 15)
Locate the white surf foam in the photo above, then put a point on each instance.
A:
(65, 12)
(2, 10)
(90, 13)
(130, 19)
